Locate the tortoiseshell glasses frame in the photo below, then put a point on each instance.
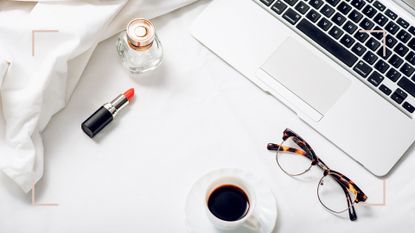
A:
(304, 149)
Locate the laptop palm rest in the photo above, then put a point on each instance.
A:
(306, 75)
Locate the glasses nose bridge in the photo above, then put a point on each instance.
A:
(323, 166)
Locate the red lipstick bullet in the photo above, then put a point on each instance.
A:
(104, 115)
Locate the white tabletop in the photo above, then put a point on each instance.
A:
(192, 115)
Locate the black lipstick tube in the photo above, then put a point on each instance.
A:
(104, 115)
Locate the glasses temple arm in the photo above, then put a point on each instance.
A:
(349, 185)
(360, 196)
(351, 209)
(277, 147)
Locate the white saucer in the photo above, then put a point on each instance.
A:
(265, 211)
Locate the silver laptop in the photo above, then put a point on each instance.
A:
(346, 67)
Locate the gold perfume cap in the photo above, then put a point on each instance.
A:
(140, 32)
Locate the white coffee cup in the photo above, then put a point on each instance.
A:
(242, 185)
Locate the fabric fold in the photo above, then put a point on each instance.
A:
(37, 86)
(4, 65)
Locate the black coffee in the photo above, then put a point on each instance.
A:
(228, 202)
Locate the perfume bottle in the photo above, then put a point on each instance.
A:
(139, 47)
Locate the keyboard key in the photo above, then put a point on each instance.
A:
(392, 28)
(412, 30)
(411, 58)
(359, 49)
(411, 44)
(399, 96)
(366, 24)
(381, 66)
(344, 8)
(313, 16)
(395, 61)
(362, 69)
(390, 41)
(379, 6)
(386, 90)
(401, 49)
(403, 23)
(267, 2)
(361, 36)
(338, 19)
(403, 36)
(384, 53)
(370, 58)
(369, 11)
(336, 32)
(302, 7)
(291, 2)
(408, 107)
(381, 19)
(393, 75)
(379, 34)
(391, 14)
(327, 43)
(347, 41)
(359, 4)
(333, 2)
(350, 27)
(373, 44)
(324, 24)
(375, 79)
(407, 85)
(355, 16)
(279, 7)
(291, 16)
(407, 69)
(316, 3)
(327, 11)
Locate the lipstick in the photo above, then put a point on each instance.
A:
(105, 114)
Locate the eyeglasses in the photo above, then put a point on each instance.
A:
(293, 157)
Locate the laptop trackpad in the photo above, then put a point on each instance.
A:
(314, 81)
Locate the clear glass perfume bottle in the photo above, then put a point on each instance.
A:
(139, 47)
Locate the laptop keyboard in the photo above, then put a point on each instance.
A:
(347, 29)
